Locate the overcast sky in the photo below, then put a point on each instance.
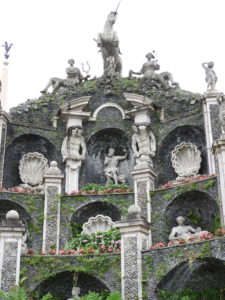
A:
(46, 33)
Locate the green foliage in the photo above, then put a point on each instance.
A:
(99, 187)
(95, 240)
(19, 293)
(76, 228)
(96, 296)
(189, 294)
(195, 219)
(217, 224)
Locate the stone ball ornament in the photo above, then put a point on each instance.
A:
(12, 215)
(134, 209)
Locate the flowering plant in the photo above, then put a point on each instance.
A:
(188, 180)
(158, 245)
(92, 188)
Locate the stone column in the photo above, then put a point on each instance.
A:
(134, 238)
(4, 119)
(144, 182)
(219, 151)
(212, 126)
(52, 180)
(11, 231)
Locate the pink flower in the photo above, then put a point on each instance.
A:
(30, 251)
(61, 252)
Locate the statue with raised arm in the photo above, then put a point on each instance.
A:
(184, 232)
(75, 290)
(148, 70)
(210, 75)
(143, 146)
(73, 153)
(74, 77)
(111, 168)
(108, 43)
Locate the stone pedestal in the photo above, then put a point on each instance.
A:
(4, 89)
(11, 231)
(134, 238)
(4, 119)
(52, 181)
(219, 151)
(212, 126)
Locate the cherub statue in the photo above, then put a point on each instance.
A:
(74, 77)
(143, 146)
(111, 168)
(211, 77)
(7, 49)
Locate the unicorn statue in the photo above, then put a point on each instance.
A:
(108, 43)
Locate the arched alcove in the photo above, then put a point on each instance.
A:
(60, 286)
(186, 133)
(198, 208)
(93, 209)
(198, 276)
(97, 149)
(20, 146)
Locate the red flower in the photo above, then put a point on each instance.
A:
(30, 251)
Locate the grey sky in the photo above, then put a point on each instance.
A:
(46, 33)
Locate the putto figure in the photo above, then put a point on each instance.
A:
(148, 71)
(108, 43)
(111, 168)
(210, 77)
(74, 77)
(7, 49)
(143, 146)
(73, 153)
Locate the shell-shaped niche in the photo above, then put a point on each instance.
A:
(186, 160)
(32, 167)
(98, 223)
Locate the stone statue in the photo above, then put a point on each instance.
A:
(143, 146)
(7, 49)
(73, 153)
(211, 77)
(221, 101)
(75, 290)
(111, 169)
(148, 71)
(184, 232)
(74, 77)
(109, 47)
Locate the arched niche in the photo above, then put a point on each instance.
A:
(93, 209)
(20, 146)
(198, 208)
(60, 286)
(97, 148)
(199, 276)
(186, 133)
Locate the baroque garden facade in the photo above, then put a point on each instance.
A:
(130, 153)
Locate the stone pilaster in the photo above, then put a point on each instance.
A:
(134, 238)
(144, 182)
(4, 119)
(212, 126)
(219, 151)
(52, 180)
(11, 231)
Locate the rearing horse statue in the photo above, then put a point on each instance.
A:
(109, 46)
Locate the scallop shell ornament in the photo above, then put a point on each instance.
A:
(32, 167)
(186, 160)
(99, 223)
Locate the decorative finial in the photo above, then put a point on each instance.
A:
(7, 49)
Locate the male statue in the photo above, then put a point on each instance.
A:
(73, 153)
(143, 146)
(111, 168)
(74, 77)
(148, 71)
(184, 232)
(211, 77)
